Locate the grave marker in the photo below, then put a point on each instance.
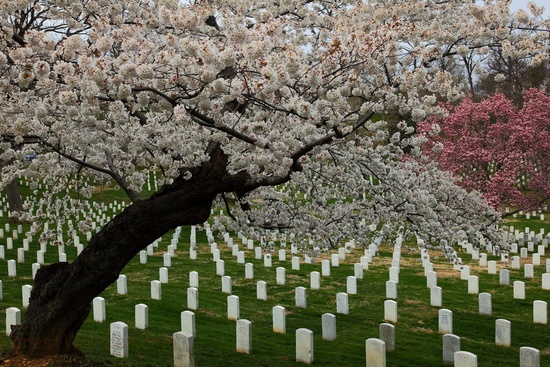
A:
(342, 303)
(451, 345)
(156, 290)
(304, 345)
(187, 319)
(244, 336)
(465, 359)
(279, 319)
(261, 290)
(519, 289)
(300, 297)
(504, 276)
(98, 305)
(315, 280)
(391, 289)
(436, 296)
(375, 350)
(445, 321)
(192, 298)
(387, 334)
(390, 311)
(529, 357)
(184, 350)
(233, 308)
(503, 332)
(119, 339)
(328, 322)
(485, 304)
(13, 317)
(540, 312)
(351, 285)
(141, 316)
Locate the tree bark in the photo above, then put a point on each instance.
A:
(60, 299)
(14, 201)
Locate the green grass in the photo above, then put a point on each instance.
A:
(417, 341)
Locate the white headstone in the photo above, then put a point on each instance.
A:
(529, 357)
(540, 312)
(503, 332)
(342, 303)
(315, 280)
(226, 284)
(328, 322)
(184, 350)
(187, 319)
(304, 345)
(220, 268)
(358, 270)
(249, 271)
(325, 268)
(528, 271)
(485, 304)
(244, 336)
(375, 352)
(233, 308)
(431, 279)
(142, 316)
(122, 285)
(519, 289)
(335, 260)
(98, 305)
(546, 281)
(300, 297)
(391, 289)
(451, 345)
(26, 294)
(351, 285)
(436, 296)
(473, 284)
(492, 267)
(445, 321)
(13, 317)
(465, 359)
(156, 290)
(295, 263)
(167, 259)
(268, 261)
(12, 268)
(281, 275)
(390, 311)
(193, 279)
(394, 274)
(279, 319)
(119, 339)
(192, 298)
(504, 276)
(387, 334)
(261, 290)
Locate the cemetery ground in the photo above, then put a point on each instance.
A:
(418, 341)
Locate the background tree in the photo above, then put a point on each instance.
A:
(231, 100)
(496, 148)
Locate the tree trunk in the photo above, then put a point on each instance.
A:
(60, 299)
(14, 201)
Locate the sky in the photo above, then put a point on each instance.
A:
(522, 4)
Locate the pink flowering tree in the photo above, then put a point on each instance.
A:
(497, 149)
(264, 108)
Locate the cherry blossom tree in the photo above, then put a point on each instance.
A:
(269, 108)
(497, 149)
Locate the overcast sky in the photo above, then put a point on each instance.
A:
(522, 4)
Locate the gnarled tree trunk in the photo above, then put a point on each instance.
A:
(14, 201)
(60, 299)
